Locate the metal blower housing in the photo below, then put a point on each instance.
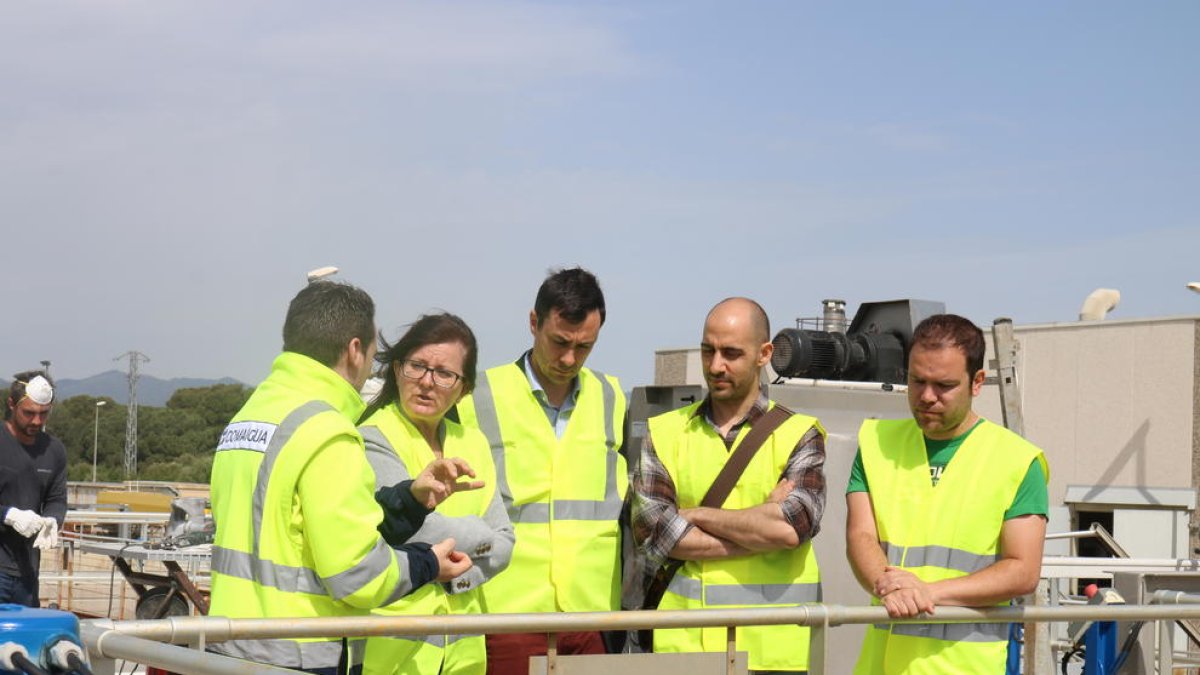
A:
(874, 349)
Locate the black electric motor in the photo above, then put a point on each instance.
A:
(873, 349)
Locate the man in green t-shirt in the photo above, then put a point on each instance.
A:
(944, 509)
(1031, 497)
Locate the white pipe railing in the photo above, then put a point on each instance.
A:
(103, 516)
(1065, 567)
(199, 631)
(1174, 598)
(104, 643)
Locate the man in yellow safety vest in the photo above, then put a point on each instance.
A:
(294, 498)
(555, 429)
(755, 548)
(945, 508)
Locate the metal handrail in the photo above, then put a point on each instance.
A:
(183, 630)
(103, 516)
(1174, 598)
(101, 635)
(1063, 567)
(113, 644)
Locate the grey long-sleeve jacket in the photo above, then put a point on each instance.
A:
(488, 538)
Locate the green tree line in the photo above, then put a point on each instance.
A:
(175, 442)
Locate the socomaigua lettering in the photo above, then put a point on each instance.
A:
(247, 436)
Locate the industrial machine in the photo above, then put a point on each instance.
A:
(873, 349)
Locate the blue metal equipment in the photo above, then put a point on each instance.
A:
(1100, 649)
(36, 641)
(1016, 639)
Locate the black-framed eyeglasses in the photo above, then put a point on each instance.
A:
(443, 378)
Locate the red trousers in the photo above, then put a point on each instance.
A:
(508, 654)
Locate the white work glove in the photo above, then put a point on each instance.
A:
(26, 523)
(48, 536)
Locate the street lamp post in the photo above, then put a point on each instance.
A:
(96, 438)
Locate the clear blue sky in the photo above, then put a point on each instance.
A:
(170, 170)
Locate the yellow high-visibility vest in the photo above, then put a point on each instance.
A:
(940, 533)
(693, 454)
(446, 654)
(293, 502)
(563, 495)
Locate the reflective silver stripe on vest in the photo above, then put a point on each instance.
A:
(953, 632)
(266, 573)
(434, 640)
(489, 424)
(564, 509)
(283, 434)
(715, 595)
(370, 567)
(292, 654)
(685, 586)
(937, 556)
(249, 566)
(538, 512)
(583, 509)
(610, 409)
(373, 434)
(286, 578)
(611, 497)
(761, 594)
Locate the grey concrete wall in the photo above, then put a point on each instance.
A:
(1195, 525)
(1110, 403)
(675, 367)
(841, 412)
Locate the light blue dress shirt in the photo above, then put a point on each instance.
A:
(560, 416)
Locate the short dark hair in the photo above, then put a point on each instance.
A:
(952, 330)
(428, 329)
(323, 318)
(573, 292)
(16, 391)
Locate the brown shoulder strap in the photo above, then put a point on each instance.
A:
(740, 459)
(734, 467)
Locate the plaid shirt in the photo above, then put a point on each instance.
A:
(656, 523)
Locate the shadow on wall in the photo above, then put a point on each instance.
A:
(1134, 450)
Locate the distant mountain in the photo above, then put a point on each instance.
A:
(115, 384)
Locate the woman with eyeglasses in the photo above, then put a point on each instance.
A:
(425, 373)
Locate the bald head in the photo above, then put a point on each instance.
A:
(733, 351)
(742, 311)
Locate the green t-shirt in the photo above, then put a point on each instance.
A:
(1031, 497)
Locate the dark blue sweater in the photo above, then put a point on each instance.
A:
(34, 478)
